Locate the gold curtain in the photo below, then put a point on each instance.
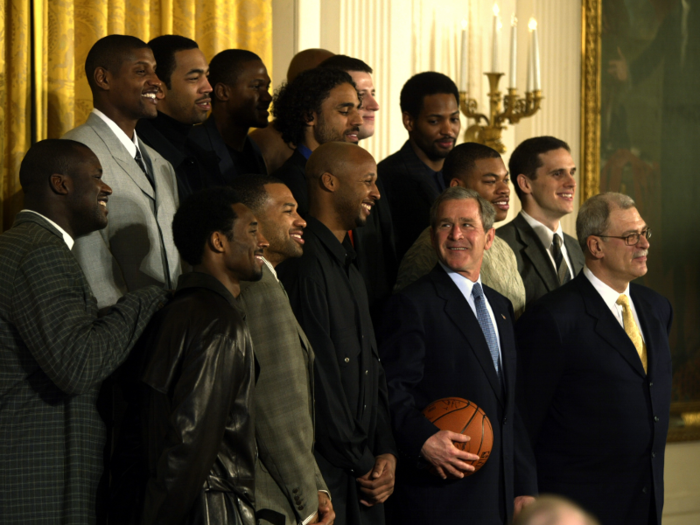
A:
(44, 43)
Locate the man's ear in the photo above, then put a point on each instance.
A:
(216, 242)
(489, 238)
(101, 78)
(221, 91)
(60, 184)
(456, 182)
(408, 121)
(329, 182)
(524, 184)
(314, 118)
(595, 246)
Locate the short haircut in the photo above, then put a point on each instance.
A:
(486, 210)
(109, 53)
(463, 158)
(164, 48)
(295, 103)
(199, 216)
(227, 66)
(422, 85)
(594, 216)
(250, 188)
(550, 510)
(346, 63)
(525, 159)
(46, 158)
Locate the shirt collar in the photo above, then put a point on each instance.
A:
(419, 167)
(66, 237)
(131, 145)
(608, 294)
(271, 268)
(209, 282)
(543, 232)
(465, 285)
(306, 152)
(342, 252)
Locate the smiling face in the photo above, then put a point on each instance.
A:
(249, 98)
(370, 106)
(489, 178)
(89, 195)
(435, 130)
(244, 252)
(188, 99)
(459, 238)
(340, 119)
(553, 188)
(134, 88)
(281, 224)
(622, 263)
(358, 191)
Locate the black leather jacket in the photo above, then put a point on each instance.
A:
(192, 410)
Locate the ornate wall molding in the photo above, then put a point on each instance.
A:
(590, 97)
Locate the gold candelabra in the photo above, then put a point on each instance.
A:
(515, 109)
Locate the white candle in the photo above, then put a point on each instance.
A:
(463, 59)
(513, 50)
(494, 49)
(530, 63)
(536, 57)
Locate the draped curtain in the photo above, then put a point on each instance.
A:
(44, 43)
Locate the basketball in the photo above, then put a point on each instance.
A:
(464, 417)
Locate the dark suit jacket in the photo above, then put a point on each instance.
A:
(432, 347)
(534, 264)
(54, 354)
(598, 423)
(410, 191)
(208, 138)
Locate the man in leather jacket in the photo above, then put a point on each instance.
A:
(190, 434)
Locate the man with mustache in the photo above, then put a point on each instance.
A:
(240, 101)
(412, 176)
(288, 481)
(595, 371)
(479, 168)
(189, 429)
(185, 101)
(55, 349)
(354, 446)
(136, 248)
(321, 105)
(544, 182)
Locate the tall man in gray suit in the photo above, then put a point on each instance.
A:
(544, 182)
(137, 248)
(54, 351)
(288, 481)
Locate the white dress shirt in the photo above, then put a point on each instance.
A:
(465, 286)
(547, 237)
(66, 237)
(610, 297)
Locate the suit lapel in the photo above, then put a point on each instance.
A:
(607, 327)
(120, 154)
(460, 313)
(505, 334)
(537, 253)
(575, 255)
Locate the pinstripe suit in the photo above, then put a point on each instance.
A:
(287, 478)
(136, 248)
(54, 353)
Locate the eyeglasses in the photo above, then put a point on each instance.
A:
(633, 238)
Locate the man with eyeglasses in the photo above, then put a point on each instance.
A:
(595, 371)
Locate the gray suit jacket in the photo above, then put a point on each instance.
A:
(534, 264)
(136, 248)
(287, 478)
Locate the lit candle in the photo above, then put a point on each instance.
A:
(494, 49)
(535, 56)
(513, 50)
(463, 59)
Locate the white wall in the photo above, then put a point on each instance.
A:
(399, 38)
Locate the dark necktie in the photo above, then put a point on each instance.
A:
(559, 262)
(482, 315)
(139, 160)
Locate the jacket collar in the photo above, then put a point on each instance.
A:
(343, 253)
(536, 251)
(208, 282)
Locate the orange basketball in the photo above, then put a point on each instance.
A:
(464, 417)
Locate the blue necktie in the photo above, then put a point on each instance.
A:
(482, 315)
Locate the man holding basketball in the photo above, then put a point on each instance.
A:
(446, 335)
(595, 367)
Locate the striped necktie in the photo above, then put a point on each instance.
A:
(482, 315)
(562, 268)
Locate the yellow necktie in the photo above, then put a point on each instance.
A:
(632, 330)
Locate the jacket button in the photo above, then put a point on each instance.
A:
(651, 383)
(505, 419)
(656, 419)
(653, 454)
(301, 507)
(347, 359)
(366, 372)
(644, 490)
(295, 491)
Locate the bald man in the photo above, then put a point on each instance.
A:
(355, 449)
(554, 510)
(274, 149)
(55, 352)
